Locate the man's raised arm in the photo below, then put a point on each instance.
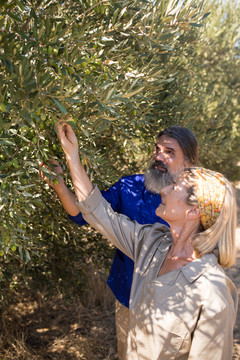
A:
(65, 195)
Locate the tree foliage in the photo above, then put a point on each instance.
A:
(119, 71)
(213, 93)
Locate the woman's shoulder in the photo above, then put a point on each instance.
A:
(218, 291)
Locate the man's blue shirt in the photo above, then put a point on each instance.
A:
(129, 197)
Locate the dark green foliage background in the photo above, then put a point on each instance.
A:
(119, 71)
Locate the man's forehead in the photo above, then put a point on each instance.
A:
(168, 142)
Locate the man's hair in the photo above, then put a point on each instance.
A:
(186, 140)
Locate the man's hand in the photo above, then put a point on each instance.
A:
(56, 182)
(64, 194)
(68, 140)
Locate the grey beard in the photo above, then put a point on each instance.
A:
(156, 180)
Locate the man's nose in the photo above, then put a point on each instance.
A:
(160, 156)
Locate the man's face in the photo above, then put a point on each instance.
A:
(168, 161)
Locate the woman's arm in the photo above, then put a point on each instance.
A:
(213, 337)
(127, 235)
(81, 182)
(96, 211)
(116, 228)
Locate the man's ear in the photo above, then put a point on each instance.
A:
(193, 213)
(187, 164)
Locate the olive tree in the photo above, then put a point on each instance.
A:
(104, 66)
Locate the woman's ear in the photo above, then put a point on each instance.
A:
(193, 213)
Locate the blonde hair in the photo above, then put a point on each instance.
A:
(220, 237)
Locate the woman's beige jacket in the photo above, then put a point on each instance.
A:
(187, 313)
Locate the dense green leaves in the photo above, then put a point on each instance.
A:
(213, 95)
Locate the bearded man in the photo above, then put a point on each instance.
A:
(137, 196)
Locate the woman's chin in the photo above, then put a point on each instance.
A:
(160, 211)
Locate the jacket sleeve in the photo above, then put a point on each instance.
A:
(126, 235)
(213, 337)
(112, 195)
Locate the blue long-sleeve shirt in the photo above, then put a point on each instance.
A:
(129, 197)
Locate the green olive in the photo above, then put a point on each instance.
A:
(2, 107)
(43, 117)
(13, 247)
(31, 132)
(15, 164)
(50, 50)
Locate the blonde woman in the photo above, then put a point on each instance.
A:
(182, 304)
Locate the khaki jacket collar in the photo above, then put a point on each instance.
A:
(196, 268)
(192, 271)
